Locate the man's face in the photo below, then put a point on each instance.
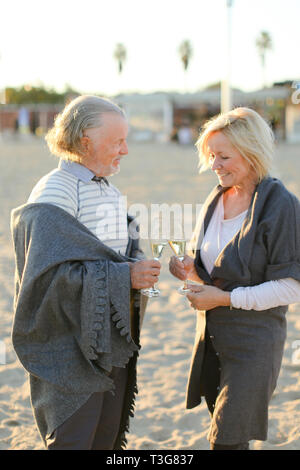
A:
(107, 145)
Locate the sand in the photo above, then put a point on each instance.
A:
(151, 173)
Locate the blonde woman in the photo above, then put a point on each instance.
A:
(248, 262)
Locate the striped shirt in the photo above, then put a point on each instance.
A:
(100, 207)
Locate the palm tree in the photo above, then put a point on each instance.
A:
(185, 52)
(263, 44)
(120, 55)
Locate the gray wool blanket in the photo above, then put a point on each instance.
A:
(75, 314)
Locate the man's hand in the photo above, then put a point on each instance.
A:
(144, 273)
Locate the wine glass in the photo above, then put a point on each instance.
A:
(179, 248)
(157, 249)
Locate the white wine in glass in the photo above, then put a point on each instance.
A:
(178, 247)
(157, 249)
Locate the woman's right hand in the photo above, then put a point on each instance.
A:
(183, 269)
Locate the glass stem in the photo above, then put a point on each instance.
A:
(156, 259)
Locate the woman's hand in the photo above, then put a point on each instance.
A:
(208, 297)
(183, 269)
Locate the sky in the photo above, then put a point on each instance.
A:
(59, 42)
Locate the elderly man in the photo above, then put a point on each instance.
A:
(78, 274)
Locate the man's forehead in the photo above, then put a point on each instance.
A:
(112, 124)
(112, 118)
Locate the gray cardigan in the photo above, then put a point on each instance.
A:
(249, 343)
(75, 314)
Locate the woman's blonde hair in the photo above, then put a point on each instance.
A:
(84, 112)
(248, 132)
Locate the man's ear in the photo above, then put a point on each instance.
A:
(86, 144)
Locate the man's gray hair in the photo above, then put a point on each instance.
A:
(84, 112)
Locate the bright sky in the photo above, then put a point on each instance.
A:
(55, 42)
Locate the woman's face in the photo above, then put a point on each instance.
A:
(228, 164)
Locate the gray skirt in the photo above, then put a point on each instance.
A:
(249, 348)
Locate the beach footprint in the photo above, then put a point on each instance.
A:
(11, 423)
(160, 435)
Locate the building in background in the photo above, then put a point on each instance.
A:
(171, 116)
(179, 117)
(27, 119)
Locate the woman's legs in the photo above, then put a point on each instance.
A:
(242, 446)
(210, 380)
(210, 374)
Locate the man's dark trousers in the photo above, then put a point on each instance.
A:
(96, 424)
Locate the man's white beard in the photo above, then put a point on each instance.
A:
(114, 170)
(108, 171)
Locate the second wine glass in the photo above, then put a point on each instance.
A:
(179, 247)
(157, 249)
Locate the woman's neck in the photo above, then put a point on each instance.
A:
(237, 199)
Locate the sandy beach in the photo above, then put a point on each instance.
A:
(151, 173)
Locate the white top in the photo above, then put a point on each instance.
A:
(269, 294)
(97, 205)
(219, 232)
